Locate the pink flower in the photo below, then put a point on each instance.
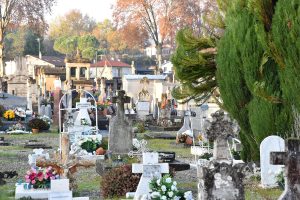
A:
(40, 176)
(27, 180)
(33, 181)
(49, 168)
(52, 177)
(27, 177)
(28, 172)
(46, 176)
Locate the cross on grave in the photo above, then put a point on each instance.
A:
(219, 131)
(150, 168)
(120, 100)
(141, 146)
(120, 130)
(37, 153)
(291, 159)
(64, 164)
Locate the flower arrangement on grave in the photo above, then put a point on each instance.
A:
(90, 144)
(37, 123)
(46, 119)
(9, 114)
(103, 105)
(84, 122)
(16, 127)
(40, 178)
(166, 189)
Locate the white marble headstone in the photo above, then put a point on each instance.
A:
(150, 168)
(42, 110)
(83, 105)
(268, 171)
(60, 190)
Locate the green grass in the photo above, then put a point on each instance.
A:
(262, 194)
(254, 191)
(169, 145)
(8, 154)
(87, 183)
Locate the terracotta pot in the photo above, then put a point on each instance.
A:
(35, 130)
(100, 151)
(189, 140)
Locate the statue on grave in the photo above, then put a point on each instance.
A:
(120, 130)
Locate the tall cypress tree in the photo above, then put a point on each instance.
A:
(249, 67)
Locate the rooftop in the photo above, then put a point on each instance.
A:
(55, 60)
(110, 63)
(150, 77)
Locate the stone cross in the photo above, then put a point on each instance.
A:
(291, 160)
(219, 130)
(37, 153)
(120, 130)
(64, 164)
(121, 99)
(150, 168)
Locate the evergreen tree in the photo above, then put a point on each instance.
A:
(248, 75)
(194, 66)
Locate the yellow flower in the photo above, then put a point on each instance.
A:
(9, 114)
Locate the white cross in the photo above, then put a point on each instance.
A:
(37, 153)
(150, 168)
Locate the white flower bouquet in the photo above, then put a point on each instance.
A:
(166, 189)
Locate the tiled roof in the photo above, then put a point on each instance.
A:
(110, 63)
(57, 61)
(54, 71)
(150, 77)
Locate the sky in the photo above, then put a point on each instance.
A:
(97, 9)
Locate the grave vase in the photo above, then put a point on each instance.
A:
(35, 130)
(189, 140)
(103, 112)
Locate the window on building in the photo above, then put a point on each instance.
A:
(73, 71)
(82, 72)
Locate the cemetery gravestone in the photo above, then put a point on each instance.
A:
(291, 160)
(269, 171)
(120, 131)
(42, 110)
(48, 111)
(150, 169)
(219, 178)
(60, 190)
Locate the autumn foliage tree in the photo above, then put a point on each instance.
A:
(16, 12)
(160, 18)
(74, 23)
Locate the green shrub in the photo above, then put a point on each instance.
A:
(90, 145)
(37, 123)
(141, 127)
(118, 181)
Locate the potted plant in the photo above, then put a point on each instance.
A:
(37, 124)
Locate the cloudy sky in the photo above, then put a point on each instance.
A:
(98, 9)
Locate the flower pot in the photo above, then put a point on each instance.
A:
(189, 140)
(100, 151)
(35, 130)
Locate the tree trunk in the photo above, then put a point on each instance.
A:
(1, 61)
(159, 55)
